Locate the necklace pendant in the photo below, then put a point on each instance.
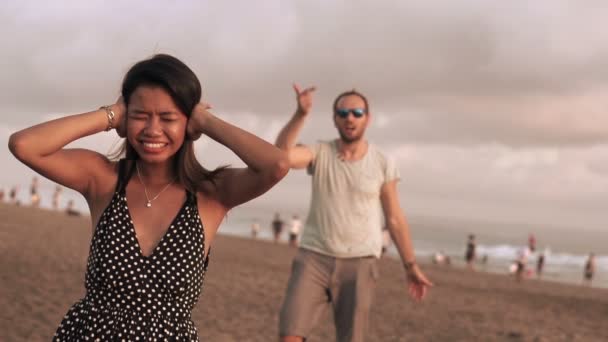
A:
(149, 204)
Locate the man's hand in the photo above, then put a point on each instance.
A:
(304, 99)
(418, 284)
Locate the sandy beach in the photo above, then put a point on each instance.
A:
(43, 256)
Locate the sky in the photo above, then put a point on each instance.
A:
(494, 110)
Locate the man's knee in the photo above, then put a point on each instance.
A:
(291, 339)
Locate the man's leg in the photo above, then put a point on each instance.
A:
(352, 294)
(307, 295)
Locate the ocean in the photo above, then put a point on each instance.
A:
(565, 249)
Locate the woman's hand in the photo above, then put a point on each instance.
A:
(120, 117)
(196, 122)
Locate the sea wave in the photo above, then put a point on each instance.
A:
(510, 252)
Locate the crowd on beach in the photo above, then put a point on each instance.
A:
(35, 198)
(522, 266)
(278, 225)
(528, 261)
(294, 228)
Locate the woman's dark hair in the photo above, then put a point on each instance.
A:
(351, 93)
(184, 88)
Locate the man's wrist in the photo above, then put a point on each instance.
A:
(301, 112)
(408, 265)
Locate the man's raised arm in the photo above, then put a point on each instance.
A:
(299, 156)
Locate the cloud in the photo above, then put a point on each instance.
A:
(535, 121)
(565, 185)
(473, 69)
(492, 107)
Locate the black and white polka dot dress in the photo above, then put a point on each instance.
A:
(131, 297)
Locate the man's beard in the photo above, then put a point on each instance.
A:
(349, 140)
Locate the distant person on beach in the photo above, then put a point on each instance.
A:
(255, 229)
(354, 184)
(438, 258)
(521, 263)
(149, 251)
(12, 195)
(532, 243)
(294, 230)
(540, 264)
(34, 195)
(277, 227)
(469, 255)
(56, 197)
(484, 259)
(589, 271)
(70, 210)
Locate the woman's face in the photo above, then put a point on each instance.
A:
(156, 127)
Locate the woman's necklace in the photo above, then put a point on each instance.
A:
(149, 201)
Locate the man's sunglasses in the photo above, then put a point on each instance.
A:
(343, 112)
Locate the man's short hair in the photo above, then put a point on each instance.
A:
(350, 93)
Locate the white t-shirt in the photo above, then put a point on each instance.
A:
(523, 254)
(345, 218)
(296, 224)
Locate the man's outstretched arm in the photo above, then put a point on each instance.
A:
(399, 229)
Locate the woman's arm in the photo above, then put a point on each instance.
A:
(41, 147)
(266, 164)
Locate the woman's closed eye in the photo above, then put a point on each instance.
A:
(138, 116)
(168, 118)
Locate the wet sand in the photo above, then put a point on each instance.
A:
(43, 257)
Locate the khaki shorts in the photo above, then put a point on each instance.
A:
(319, 280)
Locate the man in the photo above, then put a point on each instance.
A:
(353, 185)
(255, 228)
(470, 254)
(540, 265)
(532, 243)
(277, 227)
(589, 270)
(57, 197)
(294, 230)
(35, 197)
(522, 262)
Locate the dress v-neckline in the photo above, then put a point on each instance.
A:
(163, 237)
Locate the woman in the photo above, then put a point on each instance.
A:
(154, 213)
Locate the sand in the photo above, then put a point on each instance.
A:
(43, 257)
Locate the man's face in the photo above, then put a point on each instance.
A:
(351, 118)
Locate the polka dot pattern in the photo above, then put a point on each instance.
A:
(131, 297)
